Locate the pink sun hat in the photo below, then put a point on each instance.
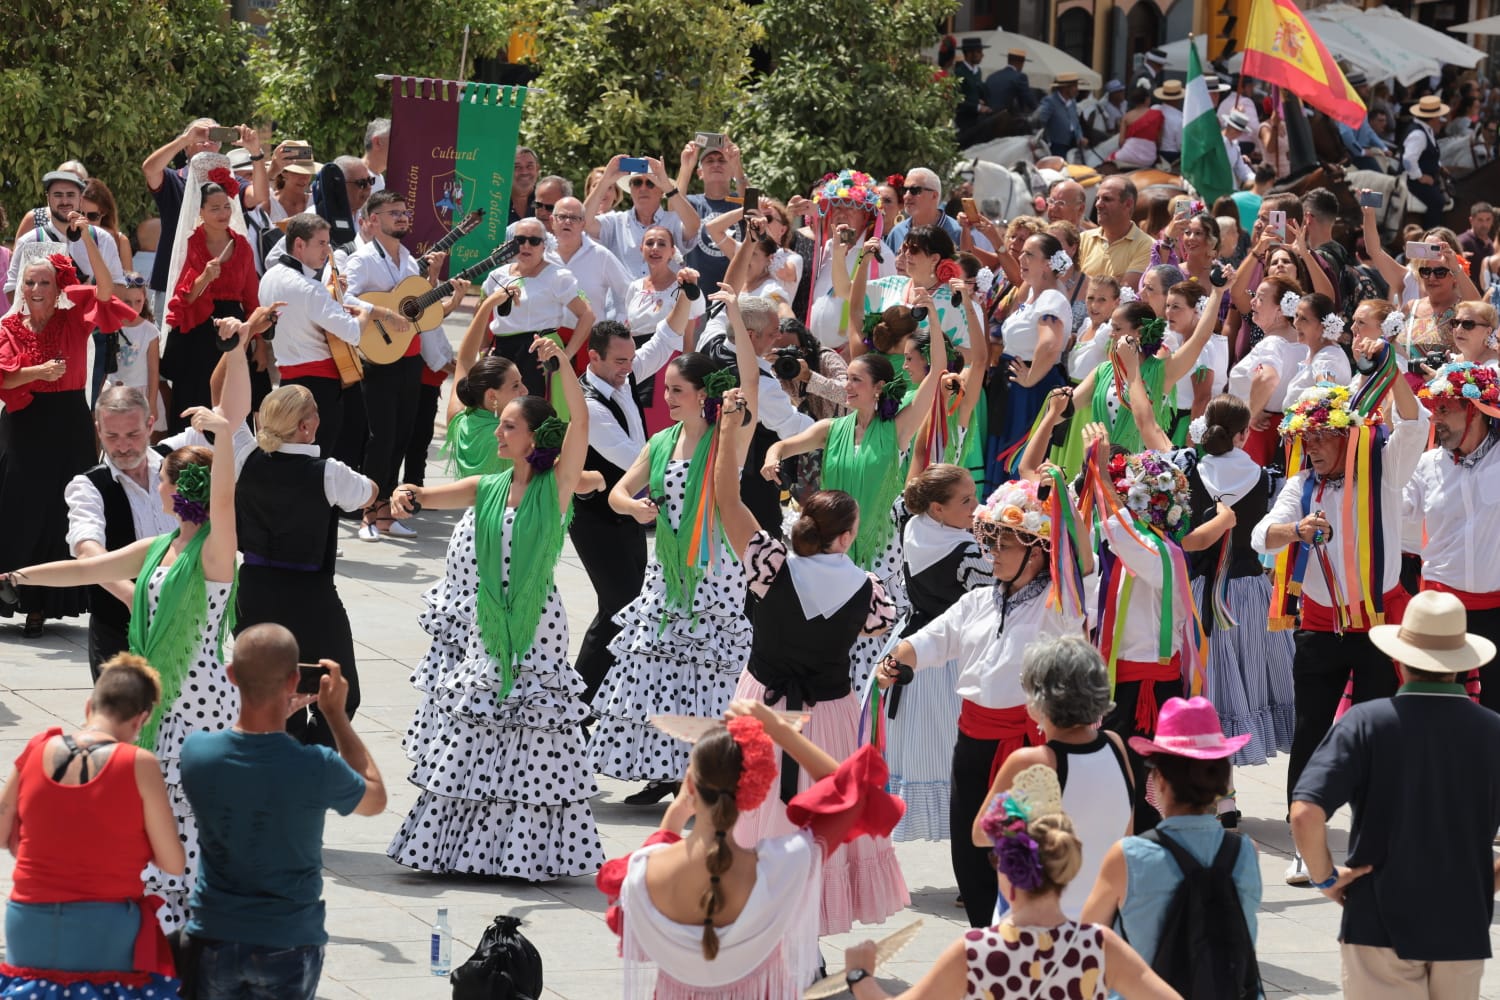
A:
(1189, 727)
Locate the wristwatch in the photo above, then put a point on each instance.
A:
(257, 156)
(1328, 882)
(855, 975)
(669, 195)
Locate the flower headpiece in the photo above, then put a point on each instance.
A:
(66, 270)
(984, 281)
(897, 181)
(715, 384)
(1393, 324)
(190, 498)
(1325, 408)
(853, 188)
(1333, 327)
(891, 395)
(1060, 262)
(1478, 384)
(1197, 430)
(1034, 793)
(1154, 490)
(1012, 507)
(1128, 294)
(1289, 303)
(547, 440)
(226, 180)
(1151, 335)
(757, 761)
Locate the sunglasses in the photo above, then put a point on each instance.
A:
(93, 216)
(134, 280)
(1434, 272)
(912, 189)
(531, 241)
(541, 205)
(363, 182)
(1469, 324)
(636, 182)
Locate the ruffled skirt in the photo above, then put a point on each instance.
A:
(919, 751)
(1250, 673)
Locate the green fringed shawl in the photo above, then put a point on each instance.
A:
(470, 445)
(871, 474)
(508, 610)
(1122, 430)
(681, 572)
(169, 639)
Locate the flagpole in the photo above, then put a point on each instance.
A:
(463, 59)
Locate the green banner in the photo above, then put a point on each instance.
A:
(489, 125)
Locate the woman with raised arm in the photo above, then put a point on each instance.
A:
(496, 744)
(962, 431)
(698, 914)
(865, 455)
(684, 640)
(809, 603)
(182, 613)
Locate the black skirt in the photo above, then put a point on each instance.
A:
(42, 447)
(189, 359)
(307, 604)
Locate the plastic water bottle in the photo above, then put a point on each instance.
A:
(442, 944)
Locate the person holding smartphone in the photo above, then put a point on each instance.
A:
(655, 201)
(718, 166)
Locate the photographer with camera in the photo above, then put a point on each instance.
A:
(815, 378)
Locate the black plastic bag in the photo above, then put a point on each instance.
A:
(505, 966)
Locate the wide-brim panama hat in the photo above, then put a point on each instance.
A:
(1172, 90)
(1433, 636)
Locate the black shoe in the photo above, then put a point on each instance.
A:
(1230, 820)
(653, 793)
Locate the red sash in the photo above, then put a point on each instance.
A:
(1319, 617)
(1473, 601)
(313, 369)
(1013, 727)
(1149, 673)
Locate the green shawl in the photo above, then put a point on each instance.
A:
(169, 639)
(508, 610)
(470, 445)
(1122, 430)
(871, 474)
(681, 570)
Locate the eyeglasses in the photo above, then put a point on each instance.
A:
(1469, 324)
(531, 241)
(363, 182)
(636, 182)
(543, 205)
(398, 213)
(93, 216)
(1434, 272)
(1054, 200)
(913, 189)
(910, 248)
(565, 218)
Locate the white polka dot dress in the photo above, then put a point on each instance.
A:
(206, 701)
(505, 786)
(669, 663)
(886, 568)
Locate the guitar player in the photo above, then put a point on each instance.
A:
(313, 314)
(390, 390)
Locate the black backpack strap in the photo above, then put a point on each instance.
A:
(1185, 860)
(1229, 854)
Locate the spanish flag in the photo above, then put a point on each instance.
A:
(1282, 49)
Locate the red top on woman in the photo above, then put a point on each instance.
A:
(237, 282)
(61, 857)
(65, 336)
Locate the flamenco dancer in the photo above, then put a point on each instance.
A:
(497, 750)
(701, 917)
(865, 455)
(182, 612)
(684, 640)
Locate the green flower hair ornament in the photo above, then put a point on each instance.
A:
(716, 383)
(191, 492)
(891, 395)
(1152, 333)
(550, 433)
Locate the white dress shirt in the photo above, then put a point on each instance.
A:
(1140, 638)
(621, 233)
(86, 506)
(1171, 132)
(1414, 146)
(620, 445)
(372, 269)
(342, 486)
(191, 437)
(311, 314)
(989, 658)
(1459, 508)
(602, 279)
(777, 413)
(1402, 450)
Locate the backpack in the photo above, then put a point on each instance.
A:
(1205, 950)
(505, 966)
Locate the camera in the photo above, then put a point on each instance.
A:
(787, 363)
(1435, 359)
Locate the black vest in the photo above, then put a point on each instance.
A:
(282, 515)
(805, 661)
(1430, 162)
(119, 531)
(934, 590)
(597, 505)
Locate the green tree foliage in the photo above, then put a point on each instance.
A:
(108, 81)
(638, 78)
(317, 68)
(848, 87)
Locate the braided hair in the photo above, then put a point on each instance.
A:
(716, 764)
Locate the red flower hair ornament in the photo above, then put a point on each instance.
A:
(226, 180)
(66, 271)
(757, 761)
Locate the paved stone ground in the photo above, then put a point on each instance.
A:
(379, 912)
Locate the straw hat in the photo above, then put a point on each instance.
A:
(1236, 120)
(1158, 56)
(1172, 90)
(1433, 637)
(1189, 727)
(1015, 53)
(1430, 106)
(1063, 79)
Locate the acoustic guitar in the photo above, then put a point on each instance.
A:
(420, 304)
(471, 222)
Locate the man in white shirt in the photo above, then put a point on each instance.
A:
(611, 546)
(313, 314)
(64, 195)
(377, 151)
(1309, 512)
(1452, 496)
(1422, 160)
(623, 230)
(603, 281)
(1169, 102)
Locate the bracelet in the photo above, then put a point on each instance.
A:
(1329, 882)
(669, 195)
(257, 156)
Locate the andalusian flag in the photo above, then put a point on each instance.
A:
(1205, 162)
(1282, 49)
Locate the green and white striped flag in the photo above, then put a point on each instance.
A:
(1205, 163)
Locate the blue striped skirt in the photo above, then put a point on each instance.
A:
(919, 752)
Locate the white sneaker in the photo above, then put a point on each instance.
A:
(369, 533)
(1296, 872)
(398, 529)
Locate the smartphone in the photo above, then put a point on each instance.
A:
(847, 237)
(223, 133)
(1371, 199)
(635, 165)
(296, 153)
(1423, 251)
(1183, 208)
(309, 675)
(971, 209)
(1277, 223)
(709, 140)
(752, 202)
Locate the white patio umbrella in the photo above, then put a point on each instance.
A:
(1043, 61)
(1377, 59)
(1483, 26)
(1383, 28)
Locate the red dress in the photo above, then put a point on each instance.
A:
(191, 351)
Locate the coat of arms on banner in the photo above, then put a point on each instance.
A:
(448, 193)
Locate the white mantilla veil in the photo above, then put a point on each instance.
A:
(187, 219)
